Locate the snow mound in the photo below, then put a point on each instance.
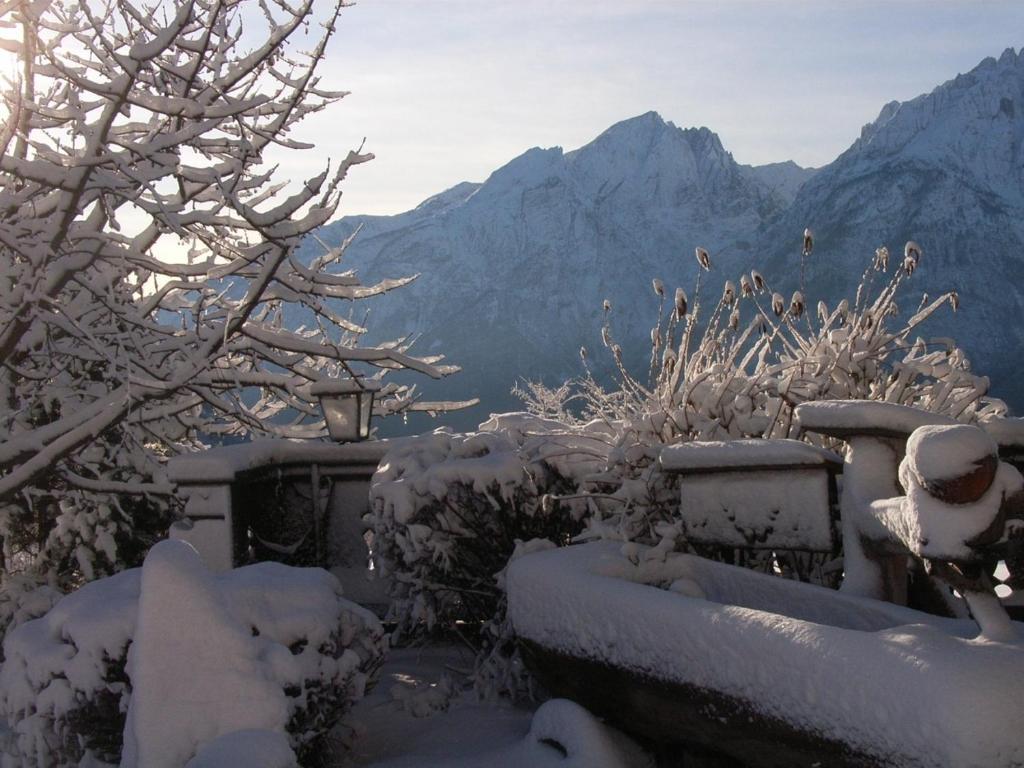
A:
(250, 748)
(562, 726)
(1007, 431)
(65, 688)
(562, 734)
(841, 418)
(743, 454)
(945, 452)
(197, 674)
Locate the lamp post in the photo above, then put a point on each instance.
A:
(347, 406)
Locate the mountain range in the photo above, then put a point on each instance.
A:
(514, 270)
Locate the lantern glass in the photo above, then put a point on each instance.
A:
(347, 407)
(365, 413)
(341, 412)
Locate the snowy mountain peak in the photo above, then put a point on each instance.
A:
(453, 196)
(651, 157)
(649, 135)
(1011, 57)
(945, 169)
(641, 129)
(974, 114)
(528, 256)
(705, 141)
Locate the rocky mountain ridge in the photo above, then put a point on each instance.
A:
(514, 270)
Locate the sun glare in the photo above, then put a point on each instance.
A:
(8, 65)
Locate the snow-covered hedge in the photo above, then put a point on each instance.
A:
(65, 688)
(448, 510)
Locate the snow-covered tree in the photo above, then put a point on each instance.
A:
(148, 259)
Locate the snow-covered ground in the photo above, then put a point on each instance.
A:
(417, 716)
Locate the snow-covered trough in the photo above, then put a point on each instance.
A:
(683, 650)
(771, 671)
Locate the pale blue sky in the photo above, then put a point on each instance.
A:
(448, 90)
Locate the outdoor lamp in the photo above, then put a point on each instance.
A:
(347, 407)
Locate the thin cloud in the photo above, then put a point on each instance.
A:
(449, 90)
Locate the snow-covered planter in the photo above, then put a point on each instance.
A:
(448, 510)
(65, 687)
(680, 649)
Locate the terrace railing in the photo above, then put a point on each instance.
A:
(301, 503)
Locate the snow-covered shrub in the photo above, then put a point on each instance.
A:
(63, 681)
(500, 669)
(448, 510)
(65, 688)
(63, 535)
(23, 597)
(740, 371)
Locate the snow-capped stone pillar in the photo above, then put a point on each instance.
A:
(876, 435)
(208, 524)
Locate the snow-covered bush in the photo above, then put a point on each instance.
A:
(67, 682)
(448, 510)
(742, 370)
(63, 678)
(23, 597)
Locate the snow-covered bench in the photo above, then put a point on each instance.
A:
(218, 486)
